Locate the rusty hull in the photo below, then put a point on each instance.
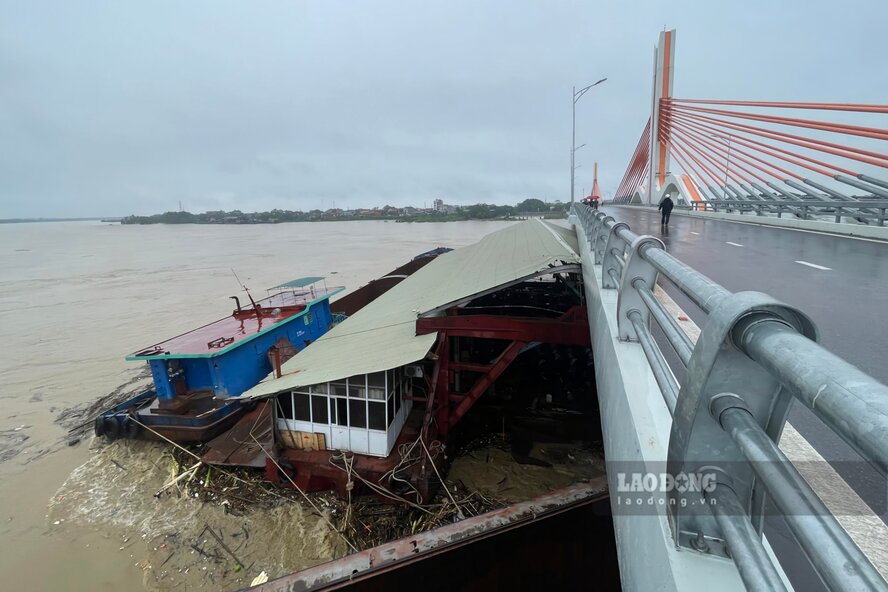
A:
(553, 541)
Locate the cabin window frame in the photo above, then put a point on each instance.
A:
(371, 402)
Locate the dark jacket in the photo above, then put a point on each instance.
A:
(666, 205)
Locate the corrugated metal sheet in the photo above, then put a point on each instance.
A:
(382, 335)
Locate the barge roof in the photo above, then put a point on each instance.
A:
(299, 282)
(382, 335)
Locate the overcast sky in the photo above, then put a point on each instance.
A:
(113, 108)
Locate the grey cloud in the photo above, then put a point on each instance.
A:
(110, 108)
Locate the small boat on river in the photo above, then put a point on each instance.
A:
(198, 375)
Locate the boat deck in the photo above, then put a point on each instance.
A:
(240, 325)
(193, 405)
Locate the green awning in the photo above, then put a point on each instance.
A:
(382, 335)
(299, 282)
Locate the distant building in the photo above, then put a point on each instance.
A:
(438, 205)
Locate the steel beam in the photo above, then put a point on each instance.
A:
(443, 387)
(483, 383)
(569, 329)
(469, 367)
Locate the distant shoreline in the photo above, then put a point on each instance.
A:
(36, 220)
(441, 213)
(529, 208)
(419, 220)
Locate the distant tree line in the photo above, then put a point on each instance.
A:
(407, 214)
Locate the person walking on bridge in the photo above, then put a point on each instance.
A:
(665, 207)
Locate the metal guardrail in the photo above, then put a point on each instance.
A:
(869, 211)
(754, 355)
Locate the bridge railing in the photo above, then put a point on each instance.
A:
(875, 212)
(753, 357)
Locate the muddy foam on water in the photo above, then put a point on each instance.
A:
(169, 536)
(496, 473)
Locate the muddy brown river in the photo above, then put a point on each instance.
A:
(75, 298)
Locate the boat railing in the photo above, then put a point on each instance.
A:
(753, 356)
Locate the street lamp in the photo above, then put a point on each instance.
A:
(577, 95)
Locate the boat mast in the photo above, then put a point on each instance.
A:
(253, 302)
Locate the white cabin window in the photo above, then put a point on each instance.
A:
(320, 409)
(339, 388)
(357, 413)
(301, 407)
(339, 411)
(376, 384)
(363, 413)
(357, 386)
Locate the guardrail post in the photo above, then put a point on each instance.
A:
(600, 237)
(610, 261)
(636, 268)
(590, 223)
(697, 440)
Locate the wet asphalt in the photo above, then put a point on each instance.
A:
(848, 302)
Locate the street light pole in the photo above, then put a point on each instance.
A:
(577, 95)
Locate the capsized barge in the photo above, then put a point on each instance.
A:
(402, 373)
(488, 341)
(197, 375)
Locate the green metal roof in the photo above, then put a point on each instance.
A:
(382, 335)
(299, 282)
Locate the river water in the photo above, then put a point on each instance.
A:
(75, 298)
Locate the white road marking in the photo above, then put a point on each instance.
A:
(735, 244)
(697, 233)
(859, 521)
(675, 311)
(814, 265)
